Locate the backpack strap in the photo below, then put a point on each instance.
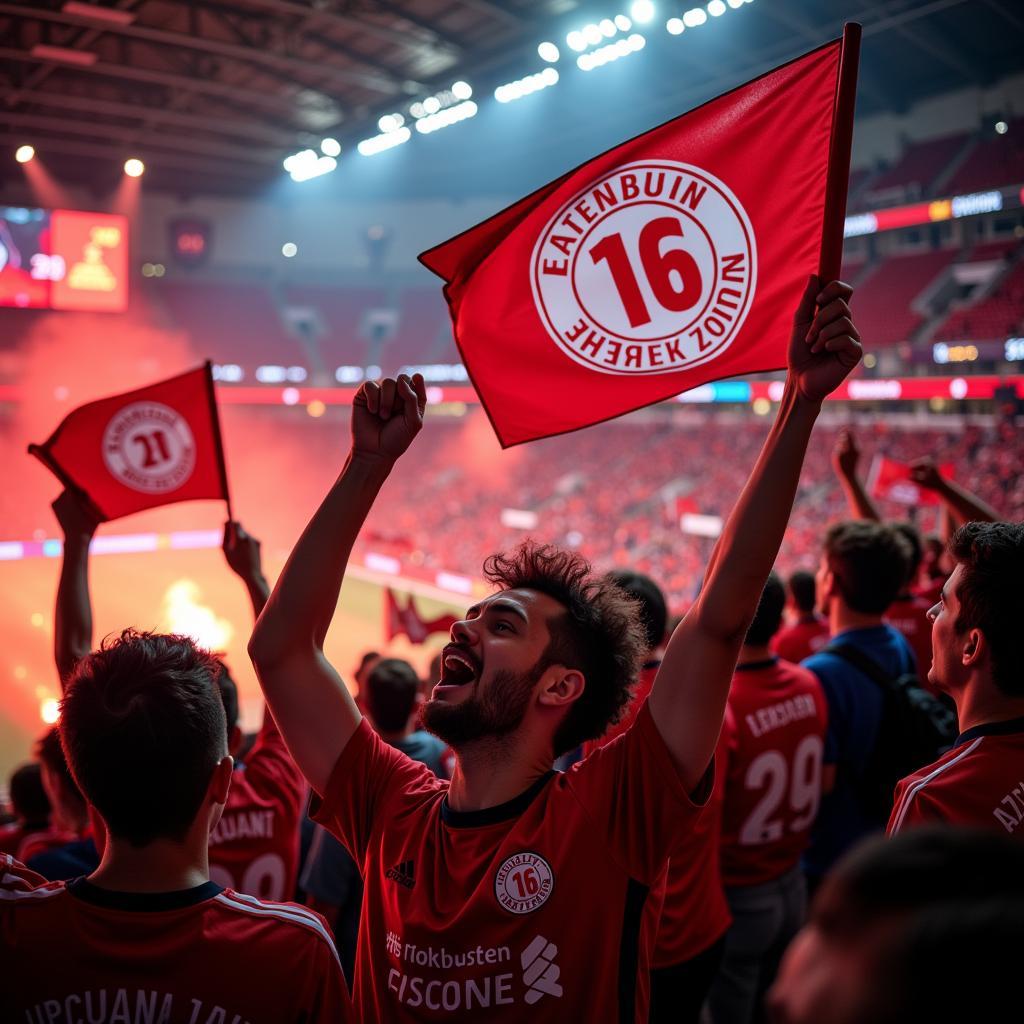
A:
(862, 662)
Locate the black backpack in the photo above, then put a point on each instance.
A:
(915, 729)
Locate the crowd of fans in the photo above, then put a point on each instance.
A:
(798, 802)
(614, 492)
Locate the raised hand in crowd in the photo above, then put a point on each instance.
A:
(73, 614)
(845, 461)
(242, 553)
(963, 506)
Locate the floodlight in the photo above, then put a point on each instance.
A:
(642, 11)
(1001, 128)
(24, 153)
(694, 17)
(548, 52)
(462, 90)
(330, 147)
(576, 41)
(622, 23)
(289, 249)
(134, 167)
(431, 105)
(716, 8)
(674, 26)
(607, 27)
(592, 34)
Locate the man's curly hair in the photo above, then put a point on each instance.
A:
(600, 632)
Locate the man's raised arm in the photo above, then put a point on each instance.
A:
(690, 691)
(309, 701)
(72, 633)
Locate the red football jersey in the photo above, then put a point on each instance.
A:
(805, 637)
(774, 734)
(532, 910)
(979, 782)
(74, 952)
(255, 846)
(909, 614)
(694, 914)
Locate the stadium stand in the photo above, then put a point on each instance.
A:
(917, 169)
(1000, 314)
(884, 299)
(996, 160)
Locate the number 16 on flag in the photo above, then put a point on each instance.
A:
(672, 260)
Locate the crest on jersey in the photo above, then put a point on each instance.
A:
(523, 882)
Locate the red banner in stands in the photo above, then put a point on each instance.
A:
(891, 479)
(407, 620)
(154, 446)
(675, 259)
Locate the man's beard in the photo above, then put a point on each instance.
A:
(498, 713)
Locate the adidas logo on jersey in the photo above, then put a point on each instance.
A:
(403, 874)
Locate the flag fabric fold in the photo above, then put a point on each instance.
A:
(399, 620)
(672, 260)
(154, 446)
(891, 480)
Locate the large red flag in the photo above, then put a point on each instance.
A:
(672, 260)
(154, 446)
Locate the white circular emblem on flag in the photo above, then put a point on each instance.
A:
(149, 447)
(650, 269)
(523, 882)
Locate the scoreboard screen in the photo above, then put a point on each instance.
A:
(63, 259)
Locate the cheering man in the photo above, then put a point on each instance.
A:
(515, 890)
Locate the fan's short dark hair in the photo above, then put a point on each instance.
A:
(804, 590)
(228, 695)
(653, 607)
(49, 752)
(912, 535)
(768, 616)
(143, 727)
(28, 797)
(933, 902)
(869, 561)
(390, 693)
(599, 633)
(992, 557)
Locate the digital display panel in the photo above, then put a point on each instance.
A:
(63, 259)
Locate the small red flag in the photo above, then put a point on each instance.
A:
(407, 620)
(674, 259)
(154, 446)
(891, 480)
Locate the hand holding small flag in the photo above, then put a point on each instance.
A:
(825, 346)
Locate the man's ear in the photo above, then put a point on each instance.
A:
(220, 781)
(975, 649)
(560, 686)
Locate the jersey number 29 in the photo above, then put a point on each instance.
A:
(800, 787)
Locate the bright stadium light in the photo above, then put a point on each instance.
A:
(431, 105)
(289, 249)
(735, 4)
(524, 86)
(674, 26)
(575, 41)
(330, 147)
(134, 167)
(379, 143)
(24, 153)
(642, 11)
(613, 51)
(607, 27)
(308, 164)
(694, 17)
(717, 8)
(446, 117)
(592, 34)
(462, 90)
(622, 23)
(1001, 128)
(548, 52)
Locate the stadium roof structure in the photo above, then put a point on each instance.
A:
(214, 94)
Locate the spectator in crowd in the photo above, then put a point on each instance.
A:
(512, 864)
(147, 934)
(255, 844)
(863, 567)
(926, 926)
(908, 611)
(807, 631)
(694, 915)
(975, 639)
(30, 807)
(68, 847)
(773, 738)
(331, 880)
(964, 506)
